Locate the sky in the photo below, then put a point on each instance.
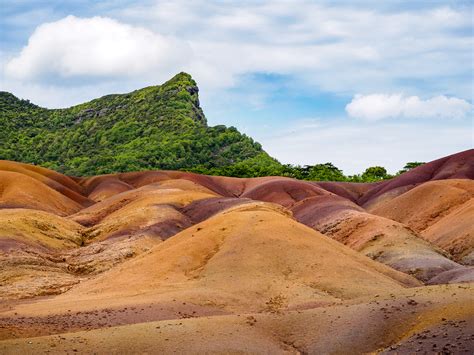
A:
(355, 83)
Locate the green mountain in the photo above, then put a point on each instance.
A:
(158, 127)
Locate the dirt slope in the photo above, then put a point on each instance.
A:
(381, 239)
(429, 320)
(282, 264)
(172, 261)
(427, 203)
(455, 233)
(21, 191)
(61, 183)
(441, 211)
(456, 166)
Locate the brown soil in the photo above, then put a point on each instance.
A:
(169, 261)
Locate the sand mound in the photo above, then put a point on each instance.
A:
(61, 183)
(41, 174)
(214, 184)
(148, 195)
(21, 191)
(283, 191)
(431, 319)
(177, 261)
(42, 254)
(349, 190)
(456, 166)
(109, 184)
(251, 257)
(38, 228)
(201, 210)
(454, 276)
(455, 233)
(379, 238)
(152, 214)
(108, 188)
(29, 262)
(28, 271)
(102, 187)
(312, 210)
(427, 203)
(441, 211)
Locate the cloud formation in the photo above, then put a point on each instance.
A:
(334, 48)
(354, 146)
(97, 46)
(376, 107)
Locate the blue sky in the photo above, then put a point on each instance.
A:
(355, 83)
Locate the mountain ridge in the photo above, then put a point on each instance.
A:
(156, 127)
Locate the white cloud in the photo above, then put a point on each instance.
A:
(324, 47)
(97, 46)
(54, 96)
(354, 146)
(333, 48)
(379, 106)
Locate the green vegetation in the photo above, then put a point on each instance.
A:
(158, 127)
(266, 166)
(410, 165)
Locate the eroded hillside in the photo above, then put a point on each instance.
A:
(207, 263)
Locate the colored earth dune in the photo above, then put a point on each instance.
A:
(170, 261)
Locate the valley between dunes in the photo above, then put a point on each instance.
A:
(170, 261)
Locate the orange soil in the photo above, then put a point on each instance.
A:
(224, 264)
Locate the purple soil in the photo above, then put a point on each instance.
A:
(201, 210)
(456, 166)
(284, 191)
(315, 209)
(458, 275)
(350, 190)
(73, 195)
(162, 230)
(167, 229)
(89, 184)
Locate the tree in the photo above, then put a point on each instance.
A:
(375, 173)
(325, 172)
(409, 166)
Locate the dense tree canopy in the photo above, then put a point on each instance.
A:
(158, 127)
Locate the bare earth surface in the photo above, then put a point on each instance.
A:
(175, 262)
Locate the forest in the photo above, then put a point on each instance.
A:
(158, 127)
